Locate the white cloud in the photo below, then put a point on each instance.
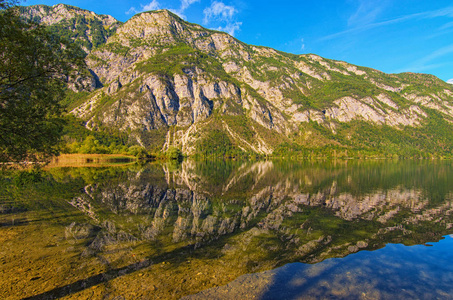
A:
(450, 81)
(230, 28)
(178, 12)
(218, 12)
(153, 5)
(131, 11)
(303, 44)
(182, 8)
(186, 3)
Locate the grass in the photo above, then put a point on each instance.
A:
(91, 160)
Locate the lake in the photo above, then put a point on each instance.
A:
(229, 230)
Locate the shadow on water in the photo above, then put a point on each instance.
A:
(89, 282)
(15, 221)
(176, 257)
(104, 277)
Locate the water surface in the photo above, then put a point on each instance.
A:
(269, 229)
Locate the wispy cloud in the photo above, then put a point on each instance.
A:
(436, 54)
(444, 12)
(419, 68)
(224, 14)
(446, 26)
(367, 12)
(426, 62)
(450, 81)
(230, 28)
(185, 4)
(153, 5)
(302, 47)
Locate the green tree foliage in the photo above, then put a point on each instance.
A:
(34, 68)
(174, 153)
(216, 143)
(6, 4)
(139, 152)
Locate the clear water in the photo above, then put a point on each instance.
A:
(229, 230)
(394, 272)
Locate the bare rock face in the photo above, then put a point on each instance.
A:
(157, 71)
(157, 102)
(83, 82)
(348, 109)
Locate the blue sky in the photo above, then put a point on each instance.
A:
(389, 35)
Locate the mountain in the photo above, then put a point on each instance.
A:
(166, 82)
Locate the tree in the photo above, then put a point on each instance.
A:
(6, 4)
(174, 153)
(34, 69)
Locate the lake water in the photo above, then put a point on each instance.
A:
(229, 230)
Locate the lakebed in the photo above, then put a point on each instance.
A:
(229, 229)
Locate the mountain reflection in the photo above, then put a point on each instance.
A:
(294, 212)
(171, 230)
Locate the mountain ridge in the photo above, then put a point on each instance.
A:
(169, 82)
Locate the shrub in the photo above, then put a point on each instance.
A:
(174, 153)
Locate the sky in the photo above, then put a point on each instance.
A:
(392, 36)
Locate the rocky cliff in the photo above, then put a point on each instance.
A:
(172, 83)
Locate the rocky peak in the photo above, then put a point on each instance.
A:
(50, 15)
(86, 28)
(163, 28)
